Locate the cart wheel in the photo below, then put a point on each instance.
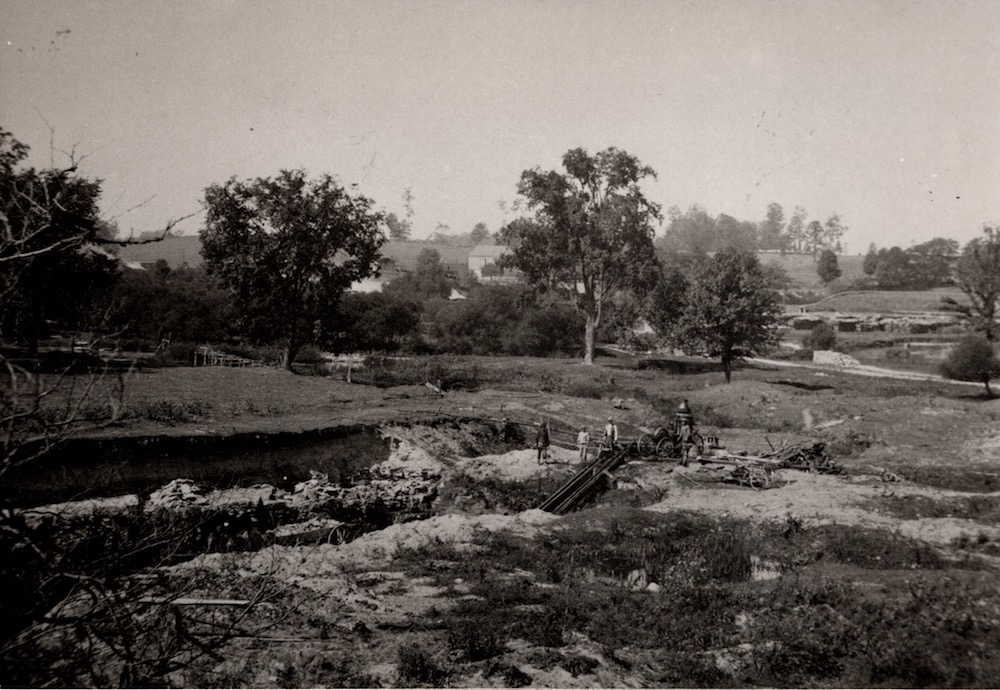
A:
(666, 448)
(645, 445)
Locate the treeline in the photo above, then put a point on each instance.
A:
(921, 267)
(695, 231)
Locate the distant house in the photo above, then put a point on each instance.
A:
(486, 255)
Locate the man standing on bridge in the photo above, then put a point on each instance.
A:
(582, 441)
(610, 439)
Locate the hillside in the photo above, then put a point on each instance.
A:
(802, 269)
(186, 250)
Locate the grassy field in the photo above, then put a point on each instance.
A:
(802, 269)
(888, 301)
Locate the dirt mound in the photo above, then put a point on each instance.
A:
(323, 567)
(517, 465)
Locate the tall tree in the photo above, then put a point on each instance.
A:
(591, 233)
(479, 233)
(796, 229)
(731, 312)
(870, 263)
(814, 238)
(399, 230)
(979, 279)
(770, 231)
(893, 269)
(833, 231)
(288, 247)
(735, 233)
(691, 232)
(934, 261)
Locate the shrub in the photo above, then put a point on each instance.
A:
(478, 639)
(821, 337)
(973, 359)
(416, 665)
(584, 389)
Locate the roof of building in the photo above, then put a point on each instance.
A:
(489, 251)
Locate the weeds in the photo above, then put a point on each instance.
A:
(418, 667)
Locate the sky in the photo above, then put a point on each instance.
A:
(885, 112)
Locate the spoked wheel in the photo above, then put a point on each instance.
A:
(668, 448)
(645, 445)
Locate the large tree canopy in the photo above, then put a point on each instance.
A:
(591, 232)
(730, 310)
(288, 247)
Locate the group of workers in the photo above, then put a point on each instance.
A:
(682, 426)
(609, 439)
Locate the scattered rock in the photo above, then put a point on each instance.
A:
(179, 492)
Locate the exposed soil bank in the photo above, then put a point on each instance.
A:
(86, 468)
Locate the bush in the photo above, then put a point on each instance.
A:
(821, 337)
(416, 665)
(973, 359)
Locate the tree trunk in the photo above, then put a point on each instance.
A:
(989, 391)
(727, 367)
(588, 340)
(290, 351)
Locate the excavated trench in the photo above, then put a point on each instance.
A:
(239, 493)
(92, 468)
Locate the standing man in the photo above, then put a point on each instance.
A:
(582, 441)
(542, 441)
(610, 439)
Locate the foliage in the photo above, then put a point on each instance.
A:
(373, 322)
(933, 261)
(288, 247)
(730, 312)
(399, 230)
(827, 267)
(972, 359)
(479, 233)
(52, 266)
(979, 279)
(821, 337)
(591, 233)
(770, 231)
(184, 304)
(666, 302)
(418, 666)
(429, 279)
(920, 267)
(505, 320)
(870, 264)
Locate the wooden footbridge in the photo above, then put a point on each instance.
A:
(584, 483)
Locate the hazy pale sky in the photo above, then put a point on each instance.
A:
(887, 112)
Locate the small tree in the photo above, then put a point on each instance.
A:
(288, 248)
(870, 263)
(731, 312)
(827, 267)
(972, 359)
(979, 279)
